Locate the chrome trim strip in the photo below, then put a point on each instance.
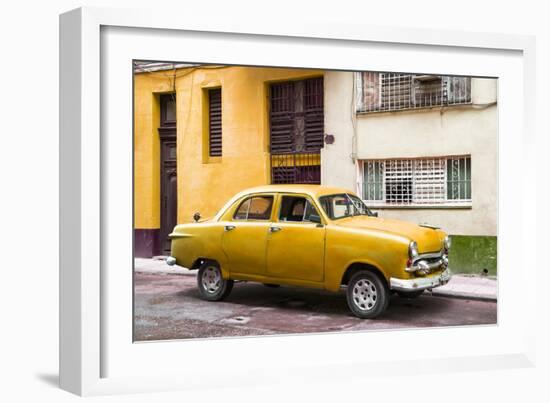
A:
(429, 226)
(420, 283)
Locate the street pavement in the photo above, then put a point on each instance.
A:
(168, 306)
(460, 286)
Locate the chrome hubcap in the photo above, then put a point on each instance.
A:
(364, 295)
(211, 280)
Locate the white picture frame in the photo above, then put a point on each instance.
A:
(97, 357)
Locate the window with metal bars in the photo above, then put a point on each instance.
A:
(296, 118)
(381, 92)
(215, 122)
(417, 182)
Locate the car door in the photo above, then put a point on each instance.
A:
(245, 236)
(296, 241)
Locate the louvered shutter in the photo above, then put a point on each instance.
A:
(282, 118)
(314, 116)
(368, 91)
(459, 89)
(296, 116)
(215, 122)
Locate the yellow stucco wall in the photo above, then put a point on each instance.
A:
(204, 184)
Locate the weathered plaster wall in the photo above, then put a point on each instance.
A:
(337, 163)
(467, 129)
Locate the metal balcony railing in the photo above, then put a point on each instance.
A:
(386, 92)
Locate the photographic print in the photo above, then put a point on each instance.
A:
(271, 200)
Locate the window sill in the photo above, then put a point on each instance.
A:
(421, 207)
(467, 105)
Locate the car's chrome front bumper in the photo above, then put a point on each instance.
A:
(420, 283)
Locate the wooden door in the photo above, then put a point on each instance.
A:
(168, 170)
(168, 192)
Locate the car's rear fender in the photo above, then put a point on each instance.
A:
(193, 242)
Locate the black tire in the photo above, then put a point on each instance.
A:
(212, 286)
(371, 296)
(269, 285)
(410, 294)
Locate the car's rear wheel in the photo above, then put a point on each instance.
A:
(410, 294)
(212, 285)
(367, 295)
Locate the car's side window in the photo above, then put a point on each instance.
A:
(242, 211)
(297, 209)
(255, 208)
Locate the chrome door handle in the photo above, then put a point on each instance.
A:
(275, 229)
(229, 227)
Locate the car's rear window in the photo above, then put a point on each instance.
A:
(255, 208)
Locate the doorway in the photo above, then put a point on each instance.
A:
(168, 170)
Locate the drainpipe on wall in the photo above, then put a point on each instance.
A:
(353, 111)
(355, 83)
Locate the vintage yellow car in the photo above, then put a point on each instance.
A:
(312, 236)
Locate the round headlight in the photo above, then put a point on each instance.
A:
(413, 250)
(447, 242)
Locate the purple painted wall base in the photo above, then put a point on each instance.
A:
(146, 242)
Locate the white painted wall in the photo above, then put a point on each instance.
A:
(458, 130)
(338, 166)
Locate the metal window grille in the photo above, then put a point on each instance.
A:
(384, 92)
(417, 182)
(296, 168)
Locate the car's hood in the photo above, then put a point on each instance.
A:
(428, 239)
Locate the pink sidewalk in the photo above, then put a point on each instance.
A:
(468, 286)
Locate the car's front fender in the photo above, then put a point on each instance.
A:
(345, 247)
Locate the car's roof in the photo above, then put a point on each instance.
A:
(312, 190)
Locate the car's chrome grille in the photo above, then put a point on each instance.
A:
(428, 263)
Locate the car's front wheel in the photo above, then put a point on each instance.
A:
(212, 286)
(367, 295)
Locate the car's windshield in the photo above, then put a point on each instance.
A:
(344, 205)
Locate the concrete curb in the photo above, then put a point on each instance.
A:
(159, 266)
(469, 287)
(464, 295)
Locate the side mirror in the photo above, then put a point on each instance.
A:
(197, 216)
(315, 218)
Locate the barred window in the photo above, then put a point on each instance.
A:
(380, 92)
(417, 182)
